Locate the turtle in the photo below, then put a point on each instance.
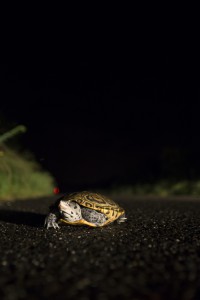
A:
(84, 208)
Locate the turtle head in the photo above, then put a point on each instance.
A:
(70, 210)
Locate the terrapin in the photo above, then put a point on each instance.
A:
(84, 208)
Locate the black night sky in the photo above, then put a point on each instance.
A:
(107, 117)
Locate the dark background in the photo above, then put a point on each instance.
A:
(104, 116)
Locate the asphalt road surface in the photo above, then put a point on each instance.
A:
(154, 255)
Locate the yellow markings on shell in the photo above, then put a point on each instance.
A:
(79, 222)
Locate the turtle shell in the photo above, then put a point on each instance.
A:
(96, 202)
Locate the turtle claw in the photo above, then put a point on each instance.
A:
(54, 225)
(51, 221)
(121, 220)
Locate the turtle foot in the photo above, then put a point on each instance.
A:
(122, 220)
(51, 221)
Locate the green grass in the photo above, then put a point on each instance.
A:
(161, 188)
(21, 177)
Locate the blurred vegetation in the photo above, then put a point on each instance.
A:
(11, 133)
(20, 175)
(169, 171)
(160, 188)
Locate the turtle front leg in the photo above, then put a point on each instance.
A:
(51, 220)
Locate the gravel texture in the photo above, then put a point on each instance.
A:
(154, 255)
